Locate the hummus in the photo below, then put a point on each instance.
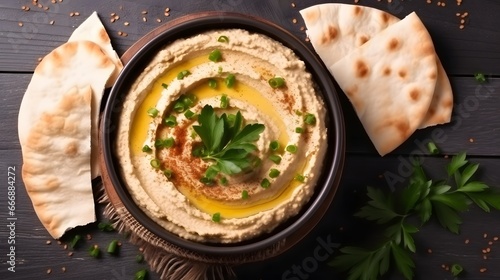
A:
(166, 180)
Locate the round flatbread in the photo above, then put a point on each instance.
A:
(336, 29)
(390, 81)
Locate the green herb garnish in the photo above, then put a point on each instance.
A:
(170, 121)
(310, 119)
(153, 112)
(229, 146)
(223, 39)
(433, 149)
(244, 194)
(165, 86)
(183, 74)
(189, 114)
(230, 80)
(274, 145)
(165, 143)
(291, 149)
(480, 77)
(277, 82)
(155, 163)
(168, 173)
(74, 242)
(215, 55)
(216, 217)
(141, 274)
(299, 177)
(275, 158)
(146, 149)
(456, 269)
(396, 212)
(212, 83)
(224, 101)
(299, 130)
(265, 183)
(139, 258)
(112, 247)
(94, 251)
(273, 173)
(105, 226)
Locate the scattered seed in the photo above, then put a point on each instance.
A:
(51, 22)
(70, 254)
(71, 14)
(117, 17)
(167, 9)
(120, 33)
(484, 235)
(144, 19)
(77, 13)
(495, 238)
(53, 1)
(472, 141)
(485, 257)
(293, 5)
(112, 14)
(167, 14)
(59, 242)
(89, 236)
(488, 250)
(126, 23)
(141, 249)
(46, 8)
(20, 24)
(125, 34)
(63, 269)
(294, 20)
(48, 242)
(39, 6)
(144, 12)
(483, 269)
(429, 251)
(65, 246)
(112, 20)
(462, 26)
(490, 243)
(49, 271)
(158, 20)
(467, 241)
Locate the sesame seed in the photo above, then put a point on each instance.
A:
(144, 19)
(71, 14)
(488, 250)
(117, 17)
(112, 14)
(112, 20)
(484, 235)
(126, 23)
(46, 8)
(490, 243)
(462, 26)
(293, 5)
(485, 257)
(483, 269)
(77, 13)
(89, 236)
(495, 238)
(467, 241)
(144, 12)
(20, 24)
(120, 33)
(63, 269)
(65, 246)
(167, 9)
(457, 14)
(53, 1)
(125, 34)
(39, 6)
(302, 28)
(59, 242)
(429, 251)
(462, 21)
(51, 22)
(48, 242)
(294, 20)
(49, 271)
(158, 20)
(70, 254)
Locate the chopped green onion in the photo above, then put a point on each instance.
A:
(223, 181)
(273, 173)
(299, 177)
(310, 119)
(223, 39)
(298, 113)
(165, 86)
(141, 274)
(275, 158)
(165, 143)
(480, 77)
(244, 194)
(276, 82)
(265, 183)
(230, 80)
(215, 55)
(299, 130)
(153, 112)
(146, 149)
(231, 118)
(155, 163)
(94, 251)
(224, 101)
(103, 226)
(112, 247)
(75, 241)
(168, 173)
(456, 270)
(139, 258)
(212, 83)
(170, 121)
(207, 181)
(291, 149)
(183, 74)
(433, 149)
(189, 114)
(220, 70)
(274, 145)
(216, 217)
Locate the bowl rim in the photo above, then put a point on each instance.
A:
(327, 185)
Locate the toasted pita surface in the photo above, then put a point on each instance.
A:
(93, 30)
(57, 119)
(337, 29)
(390, 81)
(56, 163)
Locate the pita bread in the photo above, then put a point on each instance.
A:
(56, 166)
(93, 30)
(57, 131)
(390, 81)
(336, 29)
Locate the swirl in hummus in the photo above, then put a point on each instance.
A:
(156, 139)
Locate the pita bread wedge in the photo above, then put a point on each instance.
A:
(56, 165)
(57, 125)
(336, 29)
(390, 81)
(93, 30)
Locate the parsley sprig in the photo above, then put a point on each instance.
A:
(421, 199)
(226, 142)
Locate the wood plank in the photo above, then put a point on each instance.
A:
(463, 52)
(475, 117)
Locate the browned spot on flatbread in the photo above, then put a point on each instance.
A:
(363, 39)
(329, 35)
(351, 91)
(386, 71)
(402, 127)
(357, 10)
(311, 16)
(385, 17)
(361, 69)
(402, 73)
(71, 149)
(433, 76)
(103, 36)
(393, 44)
(414, 94)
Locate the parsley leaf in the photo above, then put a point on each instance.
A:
(423, 198)
(225, 142)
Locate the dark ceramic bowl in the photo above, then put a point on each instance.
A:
(140, 54)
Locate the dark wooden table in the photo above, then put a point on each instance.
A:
(26, 36)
